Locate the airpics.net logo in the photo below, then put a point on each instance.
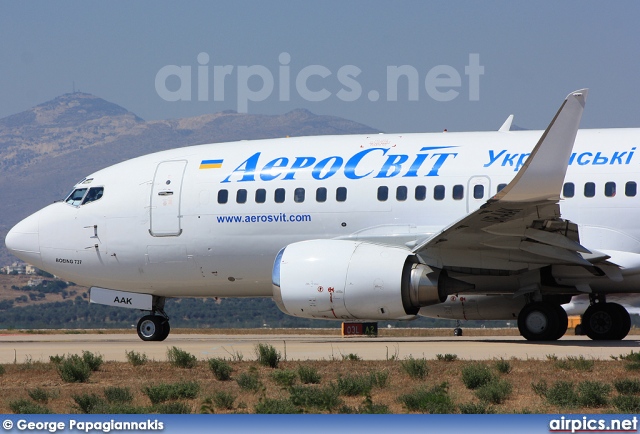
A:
(257, 83)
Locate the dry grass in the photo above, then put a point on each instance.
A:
(20, 378)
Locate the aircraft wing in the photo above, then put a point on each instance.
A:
(520, 227)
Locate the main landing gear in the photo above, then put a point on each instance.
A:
(542, 321)
(154, 327)
(604, 321)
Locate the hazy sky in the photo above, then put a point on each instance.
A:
(330, 57)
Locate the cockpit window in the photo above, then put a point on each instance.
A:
(95, 193)
(75, 198)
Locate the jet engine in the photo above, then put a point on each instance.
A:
(353, 280)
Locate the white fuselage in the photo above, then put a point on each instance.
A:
(161, 226)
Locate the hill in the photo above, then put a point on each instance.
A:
(46, 149)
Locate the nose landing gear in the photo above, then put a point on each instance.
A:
(153, 328)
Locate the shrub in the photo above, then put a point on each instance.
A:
(503, 366)
(351, 357)
(494, 392)
(275, 406)
(223, 400)
(368, 407)
(118, 395)
(267, 355)
(221, 369)
(416, 368)
(249, 381)
(593, 394)
(323, 398)
(162, 392)
(540, 388)
(180, 358)
(92, 360)
(136, 359)
(379, 379)
(56, 359)
(631, 357)
(39, 395)
(480, 408)
(578, 363)
(308, 374)
(447, 357)
(74, 370)
(2, 370)
(435, 400)
(24, 406)
(284, 378)
(89, 403)
(354, 385)
(627, 387)
(172, 408)
(562, 394)
(626, 403)
(476, 375)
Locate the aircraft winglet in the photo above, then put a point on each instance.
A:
(507, 125)
(542, 175)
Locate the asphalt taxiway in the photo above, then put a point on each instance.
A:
(21, 347)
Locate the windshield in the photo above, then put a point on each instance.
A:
(75, 198)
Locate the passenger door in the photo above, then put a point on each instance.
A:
(164, 219)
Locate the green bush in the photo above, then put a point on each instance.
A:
(503, 366)
(224, 400)
(39, 395)
(351, 357)
(172, 408)
(74, 369)
(94, 361)
(220, 368)
(24, 406)
(118, 395)
(2, 370)
(275, 406)
(416, 368)
(480, 408)
(627, 387)
(540, 388)
(577, 363)
(447, 357)
(435, 400)
(267, 355)
(368, 407)
(562, 394)
(379, 379)
(593, 394)
(89, 403)
(354, 385)
(494, 392)
(626, 403)
(308, 375)
(180, 358)
(284, 378)
(57, 359)
(249, 381)
(476, 375)
(162, 392)
(136, 359)
(322, 398)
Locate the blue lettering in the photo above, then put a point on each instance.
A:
(415, 166)
(352, 163)
(573, 157)
(630, 155)
(521, 160)
(583, 162)
(617, 156)
(247, 167)
(509, 159)
(493, 158)
(270, 174)
(394, 162)
(599, 159)
(318, 168)
(439, 162)
(299, 163)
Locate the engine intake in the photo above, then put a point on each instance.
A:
(346, 280)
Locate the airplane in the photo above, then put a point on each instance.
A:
(501, 224)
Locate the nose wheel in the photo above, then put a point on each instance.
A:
(153, 328)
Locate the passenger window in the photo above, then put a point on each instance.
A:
(401, 193)
(610, 189)
(383, 193)
(75, 198)
(458, 192)
(298, 195)
(569, 190)
(341, 194)
(630, 189)
(589, 189)
(261, 195)
(223, 196)
(279, 195)
(478, 191)
(241, 196)
(321, 194)
(438, 192)
(94, 194)
(421, 192)
(500, 187)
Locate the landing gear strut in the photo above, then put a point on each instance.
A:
(154, 327)
(458, 330)
(605, 321)
(542, 321)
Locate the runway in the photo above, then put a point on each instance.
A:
(21, 347)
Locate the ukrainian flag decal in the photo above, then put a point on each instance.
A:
(211, 164)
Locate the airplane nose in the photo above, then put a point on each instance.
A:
(23, 240)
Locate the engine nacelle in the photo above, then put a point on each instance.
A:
(347, 280)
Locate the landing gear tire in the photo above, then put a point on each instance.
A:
(606, 322)
(563, 321)
(153, 328)
(541, 321)
(457, 331)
